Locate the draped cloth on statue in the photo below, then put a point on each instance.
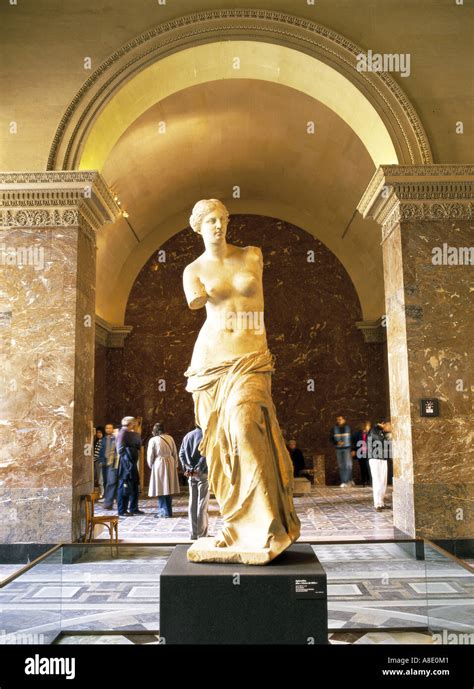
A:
(250, 470)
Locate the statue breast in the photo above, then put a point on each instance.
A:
(245, 283)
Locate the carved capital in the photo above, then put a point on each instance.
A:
(373, 331)
(76, 198)
(418, 192)
(109, 335)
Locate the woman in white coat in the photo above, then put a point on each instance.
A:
(162, 458)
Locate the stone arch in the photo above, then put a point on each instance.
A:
(305, 37)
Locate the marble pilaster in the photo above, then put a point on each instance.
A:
(47, 303)
(424, 212)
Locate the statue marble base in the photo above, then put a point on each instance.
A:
(217, 603)
(204, 550)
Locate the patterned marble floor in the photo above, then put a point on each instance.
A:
(369, 586)
(327, 513)
(6, 570)
(108, 640)
(398, 638)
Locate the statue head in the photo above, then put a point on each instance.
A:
(210, 212)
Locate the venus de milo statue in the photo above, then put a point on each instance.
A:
(250, 470)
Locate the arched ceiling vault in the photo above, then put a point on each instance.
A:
(237, 60)
(236, 114)
(247, 133)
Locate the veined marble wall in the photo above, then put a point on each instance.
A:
(82, 475)
(399, 381)
(425, 214)
(434, 482)
(46, 375)
(310, 315)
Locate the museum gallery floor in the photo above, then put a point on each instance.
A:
(374, 588)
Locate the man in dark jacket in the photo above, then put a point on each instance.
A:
(128, 448)
(297, 457)
(109, 458)
(195, 469)
(341, 438)
(359, 451)
(98, 464)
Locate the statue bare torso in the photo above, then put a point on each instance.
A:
(231, 290)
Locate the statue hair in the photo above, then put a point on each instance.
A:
(202, 208)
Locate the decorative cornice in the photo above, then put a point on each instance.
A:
(373, 331)
(419, 192)
(56, 199)
(298, 33)
(109, 335)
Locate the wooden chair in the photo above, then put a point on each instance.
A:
(110, 522)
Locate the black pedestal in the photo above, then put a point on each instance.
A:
(284, 602)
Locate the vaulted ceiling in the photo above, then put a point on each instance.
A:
(206, 140)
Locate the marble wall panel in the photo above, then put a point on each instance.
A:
(82, 478)
(397, 356)
(100, 383)
(437, 484)
(40, 304)
(403, 504)
(444, 510)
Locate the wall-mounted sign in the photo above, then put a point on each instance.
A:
(429, 407)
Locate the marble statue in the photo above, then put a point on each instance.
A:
(250, 471)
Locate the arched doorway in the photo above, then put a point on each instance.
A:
(291, 175)
(176, 115)
(298, 81)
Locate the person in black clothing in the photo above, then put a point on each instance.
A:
(297, 457)
(110, 460)
(98, 464)
(128, 448)
(341, 438)
(359, 451)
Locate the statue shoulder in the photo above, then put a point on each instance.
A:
(192, 269)
(252, 250)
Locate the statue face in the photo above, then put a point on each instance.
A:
(214, 227)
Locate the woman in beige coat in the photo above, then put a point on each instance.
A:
(162, 458)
